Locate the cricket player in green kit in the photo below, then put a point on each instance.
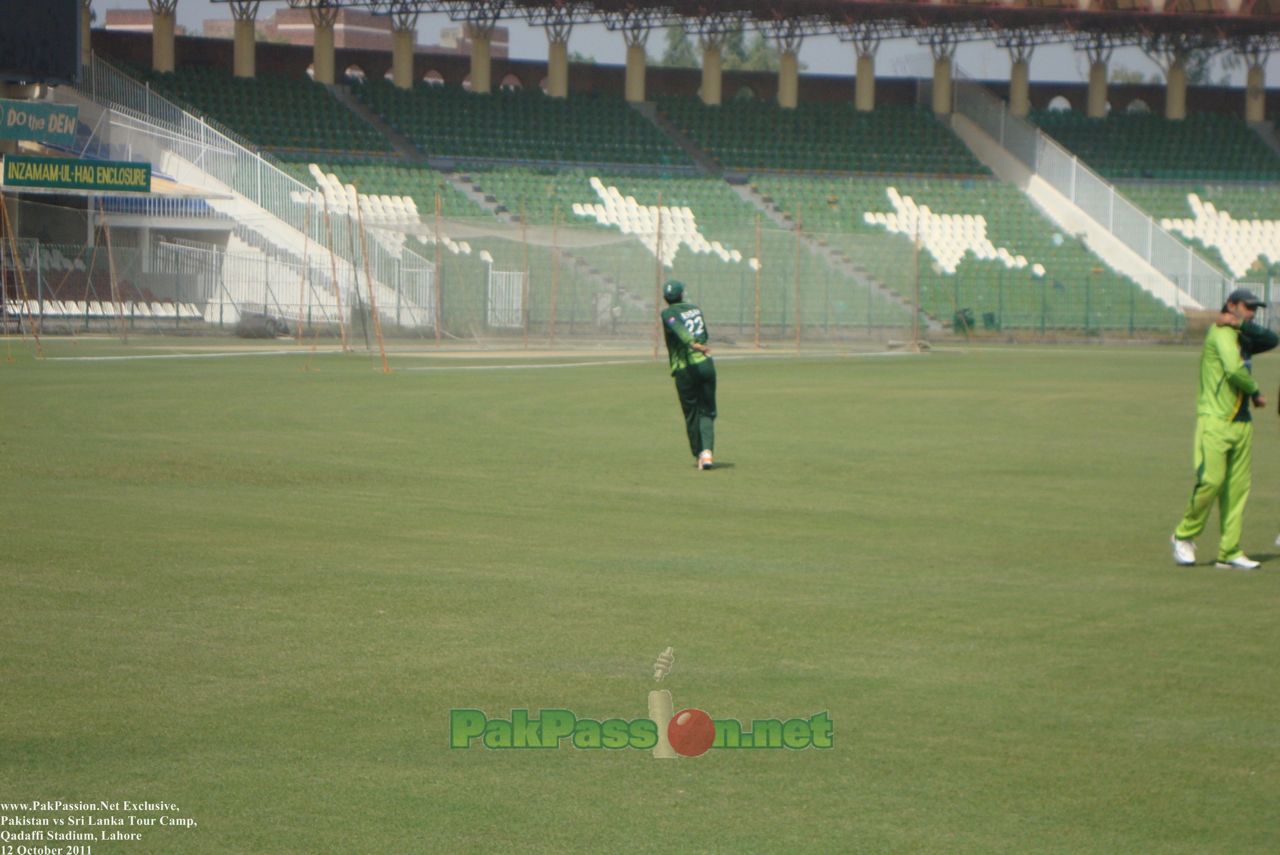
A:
(695, 374)
(1224, 431)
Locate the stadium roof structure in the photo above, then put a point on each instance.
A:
(1197, 23)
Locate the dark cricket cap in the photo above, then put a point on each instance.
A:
(1244, 295)
(673, 291)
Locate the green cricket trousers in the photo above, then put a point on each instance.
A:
(1224, 451)
(696, 387)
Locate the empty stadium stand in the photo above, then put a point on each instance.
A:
(716, 242)
(862, 185)
(823, 137)
(985, 249)
(1238, 225)
(1204, 146)
(518, 125)
(275, 112)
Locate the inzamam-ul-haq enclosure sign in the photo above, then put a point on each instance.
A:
(62, 173)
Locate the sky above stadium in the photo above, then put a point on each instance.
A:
(821, 55)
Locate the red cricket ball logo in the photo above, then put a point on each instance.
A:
(691, 732)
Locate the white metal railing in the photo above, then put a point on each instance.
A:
(229, 284)
(1177, 262)
(164, 206)
(148, 126)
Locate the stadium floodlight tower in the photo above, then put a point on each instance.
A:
(163, 18)
(635, 24)
(557, 19)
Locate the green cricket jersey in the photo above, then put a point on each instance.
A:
(682, 325)
(1226, 381)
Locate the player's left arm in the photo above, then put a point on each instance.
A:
(1226, 348)
(1255, 338)
(679, 330)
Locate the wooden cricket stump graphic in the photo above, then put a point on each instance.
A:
(689, 732)
(660, 707)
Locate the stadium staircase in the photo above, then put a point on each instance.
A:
(471, 184)
(832, 257)
(1084, 204)
(1266, 132)
(712, 237)
(464, 198)
(465, 184)
(704, 161)
(402, 144)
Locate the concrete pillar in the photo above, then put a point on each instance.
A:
(636, 62)
(322, 61)
(163, 22)
(864, 84)
(322, 53)
(481, 62)
(1175, 97)
(402, 58)
(1097, 106)
(788, 80)
(85, 47)
(1255, 95)
(245, 61)
(558, 69)
(1020, 88)
(712, 76)
(942, 85)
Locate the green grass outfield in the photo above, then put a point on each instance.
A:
(256, 592)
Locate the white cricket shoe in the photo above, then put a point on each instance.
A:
(1278, 540)
(1240, 562)
(704, 460)
(1184, 551)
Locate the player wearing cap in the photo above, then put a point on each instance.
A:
(685, 331)
(1224, 430)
